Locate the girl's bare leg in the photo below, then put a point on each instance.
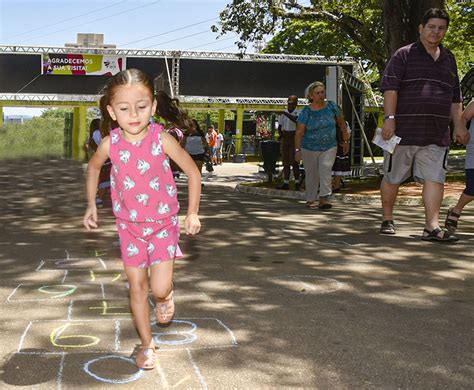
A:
(161, 279)
(463, 201)
(138, 281)
(162, 287)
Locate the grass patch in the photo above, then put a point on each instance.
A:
(368, 181)
(456, 177)
(458, 152)
(37, 137)
(354, 182)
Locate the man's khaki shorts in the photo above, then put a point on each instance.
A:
(424, 163)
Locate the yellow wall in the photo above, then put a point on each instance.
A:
(239, 130)
(79, 133)
(221, 120)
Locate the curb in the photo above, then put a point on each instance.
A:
(343, 198)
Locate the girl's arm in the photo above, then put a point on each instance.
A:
(460, 133)
(468, 113)
(186, 163)
(346, 136)
(92, 180)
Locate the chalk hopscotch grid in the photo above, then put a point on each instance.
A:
(79, 260)
(161, 351)
(68, 264)
(101, 287)
(103, 293)
(117, 327)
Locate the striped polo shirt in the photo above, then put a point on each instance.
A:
(426, 89)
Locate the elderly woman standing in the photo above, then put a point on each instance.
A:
(316, 143)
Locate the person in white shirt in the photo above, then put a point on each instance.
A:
(196, 145)
(219, 147)
(287, 131)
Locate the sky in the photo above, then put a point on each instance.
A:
(129, 24)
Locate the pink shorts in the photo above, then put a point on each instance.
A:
(144, 244)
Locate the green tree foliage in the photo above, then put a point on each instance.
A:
(305, 37)
(39, 136)
(55, 112)
(201, 117)
(61, 113)
(459, 37)
(369, 30)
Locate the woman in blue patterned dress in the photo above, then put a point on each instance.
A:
(316, 143)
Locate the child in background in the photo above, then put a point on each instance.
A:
(95, 138)
(144, 198)
(342, 163)
(178, 121)
(195, 145)
(454, 213)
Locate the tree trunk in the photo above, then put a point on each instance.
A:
(401, 21)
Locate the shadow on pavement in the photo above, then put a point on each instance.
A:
(314, 299)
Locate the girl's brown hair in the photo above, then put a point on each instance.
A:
(168, 107)
(125, 77)
(106, 122)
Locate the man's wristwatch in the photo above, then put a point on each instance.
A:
(389, 117)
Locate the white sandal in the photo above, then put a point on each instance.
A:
(146, 358)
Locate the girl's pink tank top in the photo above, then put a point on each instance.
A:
(141, 180)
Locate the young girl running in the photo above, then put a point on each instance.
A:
(144, 198)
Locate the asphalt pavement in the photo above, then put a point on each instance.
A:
(268, 295)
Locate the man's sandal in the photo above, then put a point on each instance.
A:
(451, 222)
(434, 235)
(324, 206)
(146, 358)
(387, 227)
(311, 205)
(164, 309)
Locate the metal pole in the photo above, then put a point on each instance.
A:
(361, 125)
(169, 77)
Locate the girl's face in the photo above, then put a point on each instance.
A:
(318, 94)
(132, 106)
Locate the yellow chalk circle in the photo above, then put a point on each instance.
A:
(56, 335)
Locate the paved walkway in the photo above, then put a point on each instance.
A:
(232, 174)
(236, 175)
(269, 295)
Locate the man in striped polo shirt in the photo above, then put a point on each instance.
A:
(421, 94)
